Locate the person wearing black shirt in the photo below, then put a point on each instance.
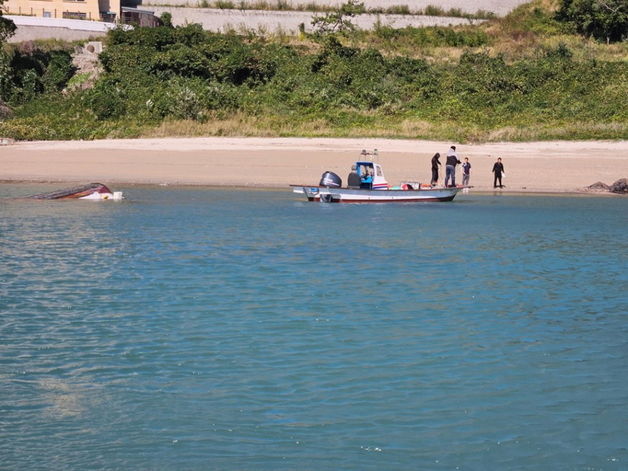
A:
(498, 170)
(435, 164)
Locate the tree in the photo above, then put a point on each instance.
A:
(338, 21)
(166, 19)
(603, 19)
(7, 27)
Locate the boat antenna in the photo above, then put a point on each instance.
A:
(365, 152)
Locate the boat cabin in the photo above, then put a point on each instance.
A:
(371, 176)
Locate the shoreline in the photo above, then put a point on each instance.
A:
(61, 183)
(546, 167)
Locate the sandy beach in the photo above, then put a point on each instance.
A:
(554, 167)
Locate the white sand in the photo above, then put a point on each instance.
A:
(555, 166)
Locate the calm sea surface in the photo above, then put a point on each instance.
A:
(202, 329)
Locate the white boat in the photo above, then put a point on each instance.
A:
(373, 188)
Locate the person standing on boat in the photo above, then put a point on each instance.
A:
(466, 172)
(353, 180)
(450, 166)
(498, 170)
(435, 164)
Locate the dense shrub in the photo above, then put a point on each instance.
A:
(7, 27)
(58, 71)
(181, 60)
(30, 71)
(108, 99)
(530, 19)
(606, 20)
(160, 74)
(434, 36)
(191, 99)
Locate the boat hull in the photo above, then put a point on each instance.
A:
(91, 191)
(348, 195)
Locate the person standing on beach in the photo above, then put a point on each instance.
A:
(498, 170)
(435, 164)
(450, 166)
(466, 172)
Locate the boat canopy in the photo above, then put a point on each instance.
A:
(371, 175)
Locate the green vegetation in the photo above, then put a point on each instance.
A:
(520, 78)
(602, 19)
(338, 21)
(29, 72)
(7, 27)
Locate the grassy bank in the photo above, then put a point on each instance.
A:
(517, 78)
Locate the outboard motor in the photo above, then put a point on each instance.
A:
(330, 180)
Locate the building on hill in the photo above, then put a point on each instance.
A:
(109, 11)
(96, 10)
(134, 16)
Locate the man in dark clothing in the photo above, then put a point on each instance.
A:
(450, 166)
(435, 164)
(498, 170)
(353, 180)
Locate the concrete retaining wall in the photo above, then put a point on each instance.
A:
(36, 27)
(499, 7)
(80, 25)
(288, 21)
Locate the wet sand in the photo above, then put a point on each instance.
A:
(554, 167)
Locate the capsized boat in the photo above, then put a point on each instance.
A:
(370, 186)
(91, 191)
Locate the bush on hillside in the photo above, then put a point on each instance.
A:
(606, 20)
(434, 36)
(7, 27)
(338, 21)
(29, 71)
(183, 73)
(530, 18)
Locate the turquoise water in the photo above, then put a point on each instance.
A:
(197, 329)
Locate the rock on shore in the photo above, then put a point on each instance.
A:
(599, 186)
(620, 186)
